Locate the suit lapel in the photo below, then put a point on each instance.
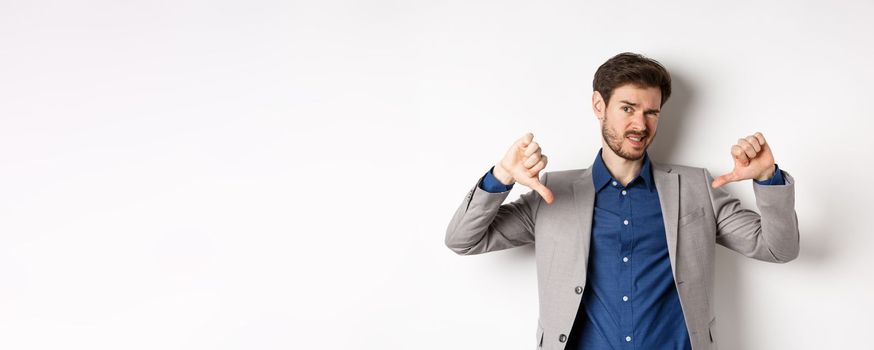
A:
(584, 201)
(668, 186)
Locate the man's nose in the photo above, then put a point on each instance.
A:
(638, 121)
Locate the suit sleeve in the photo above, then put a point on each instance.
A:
(772, 236)
(482, 224)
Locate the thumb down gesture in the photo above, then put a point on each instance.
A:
(523, 163)
(752, 160)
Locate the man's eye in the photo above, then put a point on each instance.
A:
(626, 109)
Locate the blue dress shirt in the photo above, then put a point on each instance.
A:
(630, 300)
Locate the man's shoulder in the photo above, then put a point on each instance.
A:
(565, 176)
(679, 168)
(690, 176)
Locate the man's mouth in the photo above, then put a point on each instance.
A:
(636, 140)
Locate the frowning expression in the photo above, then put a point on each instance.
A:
(630, 119)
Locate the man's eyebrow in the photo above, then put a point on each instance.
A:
(648, 111)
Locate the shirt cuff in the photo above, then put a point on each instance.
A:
(777, 179)
(490, 183)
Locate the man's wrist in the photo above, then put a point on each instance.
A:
(767, 174)
(502, 175)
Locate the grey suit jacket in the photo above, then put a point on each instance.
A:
(696, 217)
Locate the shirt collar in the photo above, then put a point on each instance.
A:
(601, 176)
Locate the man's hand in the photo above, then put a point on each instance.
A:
(523, 163)
(752, 160)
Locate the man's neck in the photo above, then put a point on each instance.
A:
(622, 169)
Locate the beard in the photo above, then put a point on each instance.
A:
(614, 141)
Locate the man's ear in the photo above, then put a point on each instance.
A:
(598, 105)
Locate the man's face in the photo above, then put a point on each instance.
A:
(633, 112)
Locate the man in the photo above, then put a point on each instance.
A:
(625, 248)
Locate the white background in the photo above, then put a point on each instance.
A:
(279, 175)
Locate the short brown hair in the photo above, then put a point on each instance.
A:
(631, 68)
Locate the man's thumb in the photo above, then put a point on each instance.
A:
(722, 180)
(543, 191)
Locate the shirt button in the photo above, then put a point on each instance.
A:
(614, 183)
(624, 298)
(625, 222)
(579, 290)
(623, 192)
(625, 259)
(628, 338)
(562, 338)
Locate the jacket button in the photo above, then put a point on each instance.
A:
(579, 290)
(562, 338)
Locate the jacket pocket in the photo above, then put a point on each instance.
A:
(695, 215)
(712, 329)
